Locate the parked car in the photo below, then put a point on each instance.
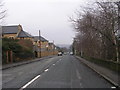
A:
(71, 53)
(60, 54)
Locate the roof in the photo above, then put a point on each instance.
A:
(9, 29)
(14, 30)
(36, 38)
(24, 34)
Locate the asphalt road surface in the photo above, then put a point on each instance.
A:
(58, 72)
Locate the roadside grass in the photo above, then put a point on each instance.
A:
(107, 64)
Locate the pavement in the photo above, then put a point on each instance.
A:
(57, 72)
(109, 75)
(10, 65)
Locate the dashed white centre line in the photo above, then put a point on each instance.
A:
(78, 74)
(81, 85)
(29, 82)
(46, 70)
(113, 87)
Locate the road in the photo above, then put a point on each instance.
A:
(58, 72)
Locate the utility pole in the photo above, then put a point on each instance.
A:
(53, 47)
(40, 42)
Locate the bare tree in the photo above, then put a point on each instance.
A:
(98, 27)
(2, 11)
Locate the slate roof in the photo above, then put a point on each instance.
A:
(14, 30)
(24, 34)
(36, 38)
(9, 29)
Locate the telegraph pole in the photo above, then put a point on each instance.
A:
(53, 47)
(40, 42)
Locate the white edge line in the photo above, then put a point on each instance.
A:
(29, 82)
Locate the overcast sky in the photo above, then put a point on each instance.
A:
(49, 16)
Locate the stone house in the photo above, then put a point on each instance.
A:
(15, 32)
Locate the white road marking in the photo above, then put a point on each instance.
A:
(78, 74)
(46, 70)
(58, 60)
(53, 64)
(29, 82)
(113, 87)
(81, 85)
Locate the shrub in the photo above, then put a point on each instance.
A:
(20, 51)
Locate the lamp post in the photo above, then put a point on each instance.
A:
(74, 46)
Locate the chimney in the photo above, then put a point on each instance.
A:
(19, 27)
(19, 30)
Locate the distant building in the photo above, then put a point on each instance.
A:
(40, 46)
(52, 48)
